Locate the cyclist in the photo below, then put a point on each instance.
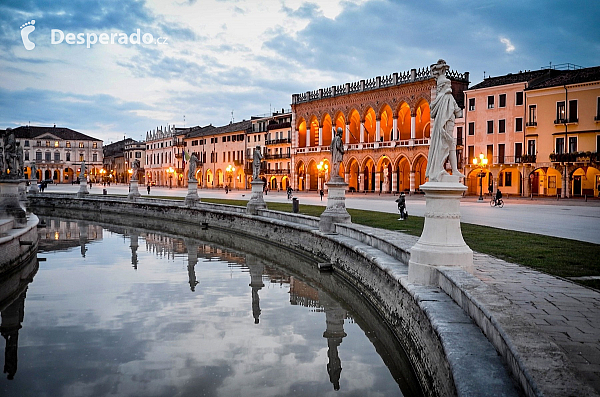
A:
(498, 197)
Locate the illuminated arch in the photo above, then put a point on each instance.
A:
(313, 132)
(301, 132)
(386, 123)
(370, 125)
(422, 119)
(404, 121)
(327, 126)
(419, 167)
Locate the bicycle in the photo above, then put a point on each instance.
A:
(497, 203)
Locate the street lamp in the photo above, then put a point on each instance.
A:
(170, 171)
(482, 162)
(230, 169)
(322, 168)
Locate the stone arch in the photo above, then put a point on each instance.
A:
(368, 174)
(301, 127)
(476, 183)
(384, 171)
(402, 174)
(353, 175)
(370, 123)
(313, 131)
(422, 119)
(327, 129)
(273, 185)
(584, 181)
(210, 180)
(340, 121)
(301, 176)
(419, 166)
(69, 174)
(354, 127)
(313, 176)
(386, 122)
(510, 180)
(404, 121)
(285, 182)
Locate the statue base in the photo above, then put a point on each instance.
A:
(33, 187)
(336, 206)
(256, 201)
(192, 194)
(82, 188)
(23, 190)
(133, 190)
(10, 207)
(441, 243)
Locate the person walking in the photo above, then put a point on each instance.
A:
(148, 188)
(402, 206)
(321, 193)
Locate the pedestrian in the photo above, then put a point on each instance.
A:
(148, 188)
(402, 207)
(226, 189)
(491, 190)
(321, 193)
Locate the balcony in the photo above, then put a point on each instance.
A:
(278, 141)
(281, 171)
(532, 124)
(178, 143)
(574, 157)
(277, 156)
(525, 158)
(278, 126)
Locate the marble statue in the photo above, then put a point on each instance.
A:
(192, 165)
(444, 110)
(82, 172)
(135, 165)
(337, 152)
(10, 154)
(256, 163)
(20, 162)
(33, 167)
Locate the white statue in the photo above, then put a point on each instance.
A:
(192, 164)
(337, 152)
(33, 167)
(135, 169)
(256, 163)
(444, 110)
(82, 172)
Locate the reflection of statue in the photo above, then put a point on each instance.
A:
(192, 164)
(82, 172)
(337, 153)
(135, 169)
(444, 110)
(256, 163)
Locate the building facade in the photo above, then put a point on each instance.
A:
(114, 165)
(164, 156)
(136, 151)
(58, 153)
(386, 131)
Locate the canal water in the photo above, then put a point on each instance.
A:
(131, 312)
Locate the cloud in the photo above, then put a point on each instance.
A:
(509, 46)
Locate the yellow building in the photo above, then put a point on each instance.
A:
(563, 133)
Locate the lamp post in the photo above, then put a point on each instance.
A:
(322, 168)
(230, 170)
(170, 171)
(482, 162)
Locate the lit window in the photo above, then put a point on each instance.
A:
(55, 143)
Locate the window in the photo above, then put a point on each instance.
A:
(597, 143)
(471, 128)
(519, 98)
(507, 178)
(47, 143)
(39, 143)
(532, 115)
(224, 139)
(81, 157)
(26, 143)
(500, 153)
(470, 154)
(560, 112)
(490, 102)
(490, 153)
(95, 145)
(68, 156)
(459, 135)
(573, 111)
(597, 110)
(518, 152)
(138, 155)
(502, 100)
(95, 157)
(501, 126)
(572, 144)
(490, 126)
(472, 104)
(531, 147)
(27, 155)
(560, 146)
(56, 156)
(48, 156)
(519, 124)
(81, 144)
(38, 156)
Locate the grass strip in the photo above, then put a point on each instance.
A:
(552, 255)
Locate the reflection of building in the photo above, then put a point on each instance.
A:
(60, 234)
(539, 131)
(386, 126)
(58, 152)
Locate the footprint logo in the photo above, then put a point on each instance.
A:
(25, 30)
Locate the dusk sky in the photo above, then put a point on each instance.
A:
(250, 56)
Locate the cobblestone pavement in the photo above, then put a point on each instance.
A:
(567, 313)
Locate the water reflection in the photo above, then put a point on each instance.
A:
(135, 331)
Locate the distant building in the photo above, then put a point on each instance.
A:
(164, 162)
(114, 166)
(58, 153)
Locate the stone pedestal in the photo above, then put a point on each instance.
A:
(441, 243)
(336, 206)
(10, 207)
(23, 190)
(133, 190)
(82, 187)
(33, 187)
(192, 195)
(256, 199)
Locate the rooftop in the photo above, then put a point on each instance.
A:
(33, 132)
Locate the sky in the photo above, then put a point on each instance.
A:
(200, 62)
